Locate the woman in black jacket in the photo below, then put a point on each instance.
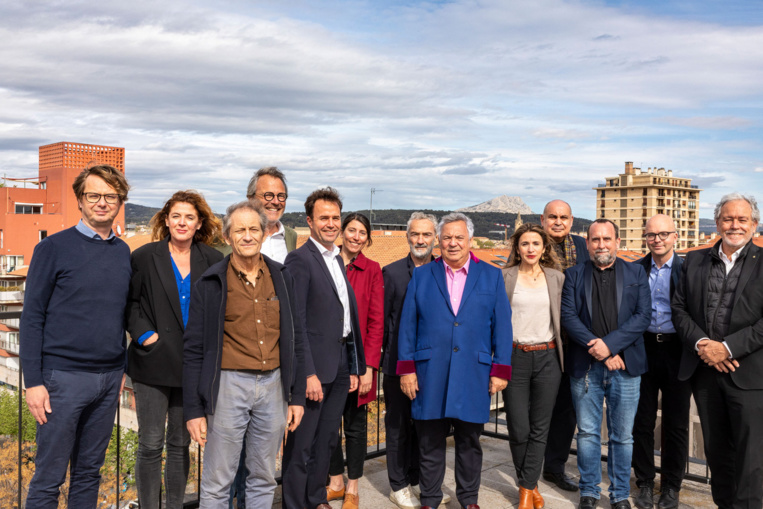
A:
(160, 296)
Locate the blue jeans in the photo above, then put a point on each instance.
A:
(78, 430)
(621, 392)
(251, 405)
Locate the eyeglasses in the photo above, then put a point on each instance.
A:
(663, 236)
(111, 199)
(270, 196)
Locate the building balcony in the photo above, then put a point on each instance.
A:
(13, 296)
(9, 346)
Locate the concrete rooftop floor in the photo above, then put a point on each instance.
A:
(499, 488)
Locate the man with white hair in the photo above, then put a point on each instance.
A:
(454, 353)
(718, 314)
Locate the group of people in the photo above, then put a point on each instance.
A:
(259, 344)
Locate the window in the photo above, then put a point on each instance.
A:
(13, 338)
(28, 208)
(43, 234)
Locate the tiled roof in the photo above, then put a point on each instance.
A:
(137, 241)
(5, 328)
(758, 241)
(19, 272)
(629, 256)
(495, 257)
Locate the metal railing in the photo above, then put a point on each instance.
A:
(495, 428)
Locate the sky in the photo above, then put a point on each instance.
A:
(438, 105)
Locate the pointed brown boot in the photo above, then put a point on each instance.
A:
(538, 502)
(525, 498)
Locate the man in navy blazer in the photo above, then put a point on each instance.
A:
(454, 353)
(606, 307)
(334, 359)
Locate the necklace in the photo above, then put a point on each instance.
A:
(532, 274)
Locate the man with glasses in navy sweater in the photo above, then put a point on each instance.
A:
(73, 342)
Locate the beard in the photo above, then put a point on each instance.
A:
(603, 259)
(421, 253)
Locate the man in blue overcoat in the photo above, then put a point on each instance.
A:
(454, 349)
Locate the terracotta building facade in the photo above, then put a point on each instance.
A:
(34, 208)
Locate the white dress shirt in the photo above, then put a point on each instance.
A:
(332, 260)
(274, 246)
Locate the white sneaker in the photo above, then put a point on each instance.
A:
(405, 499)
(417, 491)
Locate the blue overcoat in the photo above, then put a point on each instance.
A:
(453, 355)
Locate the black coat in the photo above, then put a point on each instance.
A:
(154, 305)
(745, 336)
(202, 355)
(396, 275)
(321, 312)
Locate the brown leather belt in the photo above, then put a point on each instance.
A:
(535, 348)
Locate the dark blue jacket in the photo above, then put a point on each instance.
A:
(202, 352)
(634, 304)
(581, 249)
(321, 313)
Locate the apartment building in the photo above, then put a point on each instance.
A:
(631, 198)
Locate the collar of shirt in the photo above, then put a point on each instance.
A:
(729, 261)
(668, 264)
(258, 270)
(464, 269)
(89, 232)
(325, 252)
(280, 234)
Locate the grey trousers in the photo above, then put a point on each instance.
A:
(529, 401)
(251, 405)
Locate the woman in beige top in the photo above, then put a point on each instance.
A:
(534, 287)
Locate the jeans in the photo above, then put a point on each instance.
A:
(238, 488)
(78, 430)
(252, 405)
(155, 405)
(621, 392)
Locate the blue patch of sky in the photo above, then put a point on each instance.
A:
(724, 12)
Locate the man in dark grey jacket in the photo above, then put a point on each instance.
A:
(243, 363)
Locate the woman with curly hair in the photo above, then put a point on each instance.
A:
(157, 313)
(534, 287)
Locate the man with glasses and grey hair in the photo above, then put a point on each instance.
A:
(402, 445)
(268, 186)
(243, 363)
(454, 353)
(718, 315)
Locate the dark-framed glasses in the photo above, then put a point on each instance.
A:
(663, 236)
(270, 196)
(111, 199)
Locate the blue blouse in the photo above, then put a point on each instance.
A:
(184, 292)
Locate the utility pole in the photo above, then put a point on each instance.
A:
(371, 206)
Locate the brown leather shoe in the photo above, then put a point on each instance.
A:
(538, 502)
(351, 501)
(525, 498)
(334, 495)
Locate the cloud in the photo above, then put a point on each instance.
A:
(711, 122)
(473, 170)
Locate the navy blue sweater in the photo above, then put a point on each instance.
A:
(74, 306)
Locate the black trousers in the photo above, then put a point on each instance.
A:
(732, 429)
(356, 440)
(663, 359)
(402, 442)
(562, 429)
(308, 449)
(432, 443)
(529, 400)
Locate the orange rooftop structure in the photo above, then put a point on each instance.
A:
(34, 208)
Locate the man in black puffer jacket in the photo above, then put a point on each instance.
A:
(718, 314)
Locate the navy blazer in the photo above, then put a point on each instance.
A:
(454, 355)
(634, 304)
(322, 315)
(396, 275)
(203, 349)
(581, 249)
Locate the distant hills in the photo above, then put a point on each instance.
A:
(506, 204)
(139, 214)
